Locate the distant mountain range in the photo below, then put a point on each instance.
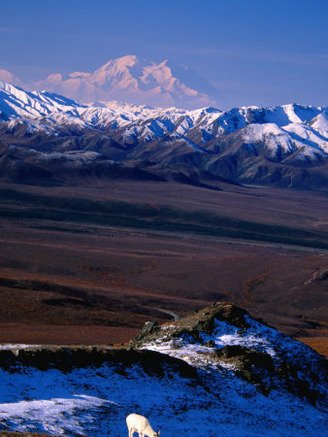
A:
(48, 137)
(137, 81)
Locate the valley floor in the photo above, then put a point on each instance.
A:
(92, 264)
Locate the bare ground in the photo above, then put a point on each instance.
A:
(94, 272)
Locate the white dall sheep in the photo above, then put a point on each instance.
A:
(141, 425)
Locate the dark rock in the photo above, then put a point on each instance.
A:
(25, 434)
(150, 328)
(65, 359)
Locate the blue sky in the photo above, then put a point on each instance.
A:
(255, 52)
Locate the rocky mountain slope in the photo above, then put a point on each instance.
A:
(48, 137)
(226, 336)
(215, 372)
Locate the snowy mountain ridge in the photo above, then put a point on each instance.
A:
(244, 144)
(304, 121)
(227, 373)
(20, 104)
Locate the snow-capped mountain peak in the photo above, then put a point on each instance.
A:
(320, 122)
(129, 79)
(17, 103)
(120, 63)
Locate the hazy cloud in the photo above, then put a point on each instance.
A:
(10, 29)
(7, 76)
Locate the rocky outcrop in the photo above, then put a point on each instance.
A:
(67, 358)
(226, 336)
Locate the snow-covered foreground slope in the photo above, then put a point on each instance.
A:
(286, 145)
(91, 391)
(95, 402)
